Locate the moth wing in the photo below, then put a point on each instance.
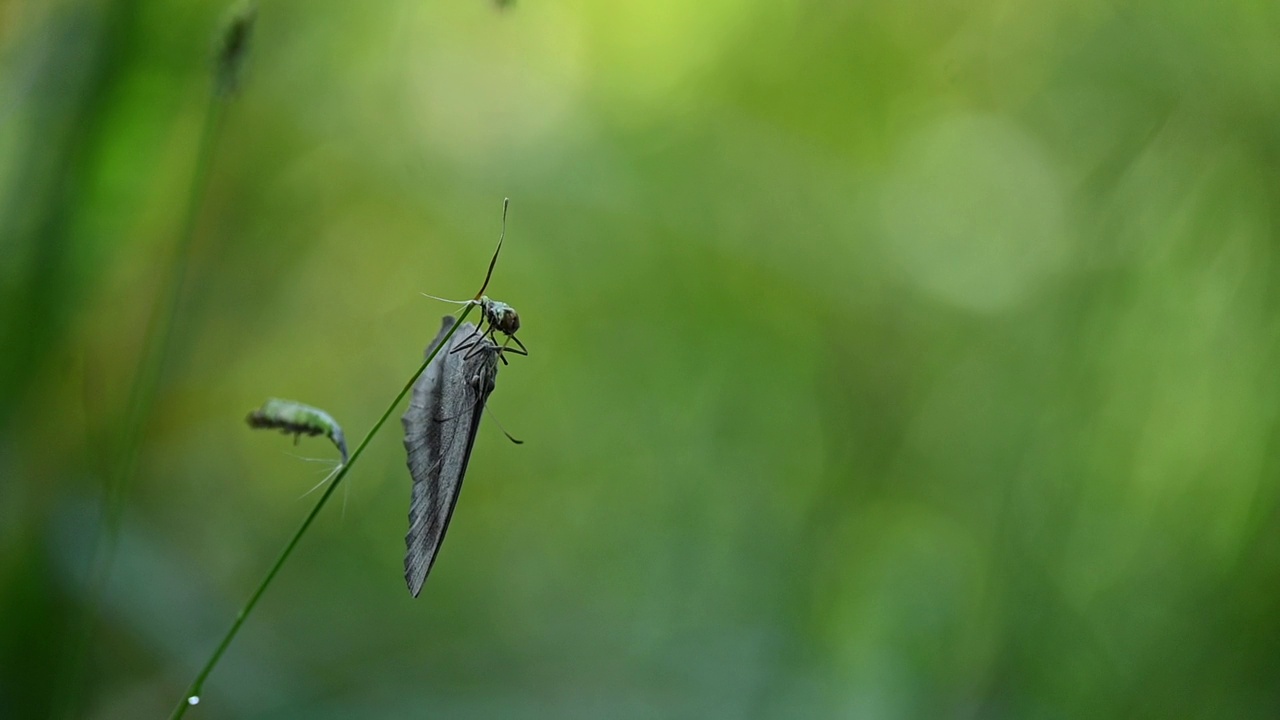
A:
(440, 426)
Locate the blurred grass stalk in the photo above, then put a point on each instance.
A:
(192, 696)
(230, 50)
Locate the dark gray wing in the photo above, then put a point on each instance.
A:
(439, 432)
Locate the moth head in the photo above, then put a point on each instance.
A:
(501, 316)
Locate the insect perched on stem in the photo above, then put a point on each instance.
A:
(294, 418)
(439, 432)
(500, 316)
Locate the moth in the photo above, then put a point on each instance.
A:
(501, 317)
(294, 418)
(439, 433)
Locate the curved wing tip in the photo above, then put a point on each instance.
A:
(409, 579)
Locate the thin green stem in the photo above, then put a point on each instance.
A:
(142, 394)
(198, 684)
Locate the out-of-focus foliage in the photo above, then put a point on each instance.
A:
(888, 359)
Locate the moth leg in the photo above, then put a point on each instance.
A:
(467, 346)
(464, 344)
(469, 342)
(517, 341)
(510, 437)
(477, 342)
(479, 346)
(519, 351)
(504, 349)
(482, 347)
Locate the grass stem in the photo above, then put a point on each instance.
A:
(194, 690)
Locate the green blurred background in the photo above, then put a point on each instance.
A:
(888, 359)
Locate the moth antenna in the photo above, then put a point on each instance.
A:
(455, 302)
(494, 261)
